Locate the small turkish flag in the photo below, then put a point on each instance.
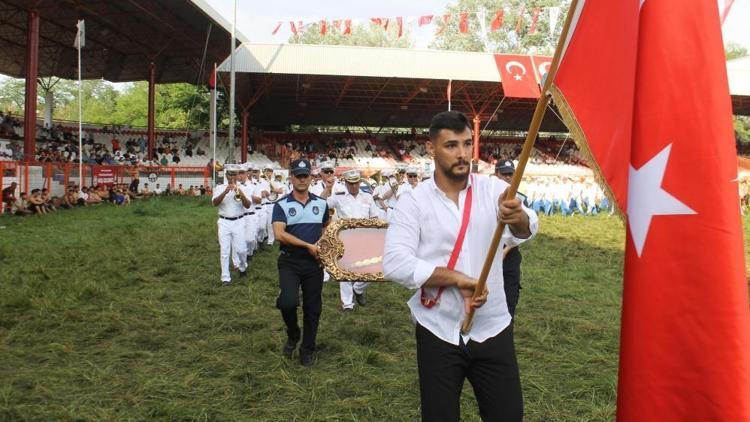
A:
(463, 22)
(517, 76)
(498, 21)
(425, 20)
(276, 28)
(658, 125)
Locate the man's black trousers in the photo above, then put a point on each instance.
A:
(490, 366)
(295, 272)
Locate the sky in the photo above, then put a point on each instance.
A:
(256, 19)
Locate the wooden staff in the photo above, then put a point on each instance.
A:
(536, 121)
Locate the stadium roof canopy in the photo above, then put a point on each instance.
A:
(364, 86)
(122, 38)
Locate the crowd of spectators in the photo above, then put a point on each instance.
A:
(40, 201)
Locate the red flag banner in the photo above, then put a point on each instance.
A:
(517, 76)
(463, 22)
(323, 27)
(534, 19)
(347, 27)
(212, 79)
(400, 23)
(425, 20)
(293, 27)
(541, 66)
(648, 123)
(497, 22)
(276, 28)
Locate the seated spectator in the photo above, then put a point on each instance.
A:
(202, 190)
(91, 196)
(19, 206)
(176, 159)
(35, 203)
(145, 192)
(9, 195)
(48, 200)
(180, 190)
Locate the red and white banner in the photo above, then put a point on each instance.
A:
(658, 126)
(517, 76)
(104, 175)
(541, 67)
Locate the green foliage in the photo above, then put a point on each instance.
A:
(362, 35)
(734, 51)
(178, 106)
(742, 128)
(505, 40)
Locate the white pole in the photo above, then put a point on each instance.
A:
(213, 127)
(80, 119)
(231, 80)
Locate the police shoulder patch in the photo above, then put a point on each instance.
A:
(292, 212)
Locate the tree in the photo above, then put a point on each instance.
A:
(734, 51)
(504, 40)
(12, 95)
(368, 35)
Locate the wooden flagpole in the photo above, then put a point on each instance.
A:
(536, 122)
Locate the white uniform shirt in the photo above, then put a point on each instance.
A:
(403, 188)
(318, 188)
(248, 189)
(380, 191)
(360, 206)
(421, 235)
(263, 185)
(228, 207)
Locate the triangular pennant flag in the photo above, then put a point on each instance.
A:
(276, 28)
(293, 27)
(519, 22)
(400, 22)
(425, 20)
(463, 22)
(554, 14)
(534, 18)
(497, 22)
(347, 27)
(323, 27)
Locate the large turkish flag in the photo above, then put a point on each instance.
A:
(656, 121)
(517, 76)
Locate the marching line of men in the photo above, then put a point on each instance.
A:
(245, 204)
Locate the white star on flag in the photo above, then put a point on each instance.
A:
(646, 198)
(518, 77)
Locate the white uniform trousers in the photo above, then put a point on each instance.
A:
(260, 213)
(269, 222)
(251, 233)
(232, 238)
(347, 292)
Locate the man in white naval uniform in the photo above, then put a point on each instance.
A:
(353, 204)
(267, 188)
(328, 184)
(231, 226)
(251, 222)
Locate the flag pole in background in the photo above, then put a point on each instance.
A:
(212, 117)
(448, 93)
(536, 122)
(232, 80)
(79, 43)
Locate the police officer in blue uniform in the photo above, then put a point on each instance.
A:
(298, 222)
(504, 170)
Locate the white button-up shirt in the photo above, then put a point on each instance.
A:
(421, 237)
(228, 207)
(350, 206)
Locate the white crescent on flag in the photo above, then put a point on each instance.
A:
(511, 64)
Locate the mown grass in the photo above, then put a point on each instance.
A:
(116, 314)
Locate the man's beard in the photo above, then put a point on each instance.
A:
(450, 174)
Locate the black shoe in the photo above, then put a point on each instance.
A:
(226, 283)
(360, 297)
(347, 310)
(306, 359)
(289, 347)
(243, 274)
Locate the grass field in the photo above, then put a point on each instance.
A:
(117, 314)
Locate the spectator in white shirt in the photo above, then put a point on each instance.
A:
(422, 234)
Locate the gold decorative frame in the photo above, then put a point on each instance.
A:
(332, 248)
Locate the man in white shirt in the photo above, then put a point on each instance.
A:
(421, 253)
(268, 188)
(353, 204)
(412, 180)
(231, 224)
(251, 228)
(328, 185)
